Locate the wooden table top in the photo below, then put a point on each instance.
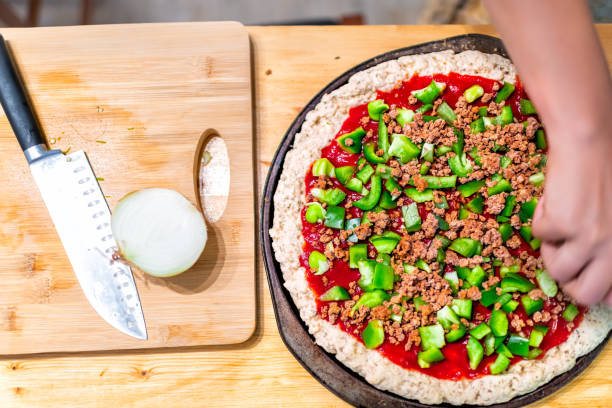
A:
(290, 65)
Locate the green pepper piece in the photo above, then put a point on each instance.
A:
(393, 187)
(537, 335)
(425, 108)
(500, 364)
(374, 334)
(470, 187)
(507, 270)
(442, 150)
(453, 280)
(371, 299)
(404, 116)
(518, 345)
(464, 246)
(366, 271)
(442, 204)
(476, 205)
(314, 213)
(438, 182)
(570, 312)
(502, 185)
(534, 353)
(482, 111)
(425, 167)
(477, 126)
(383, 276)
(383, 138)
(357, 253)
(403, 148)
(510, 306)
(502, 219)
(509, 206)
(463, 272)
(504, 162)
(476, 276)
(455, 334)
(447, 113)
(505, 116)
(505, 230)
(473, 153)
(498, 323)
(370, 200)
(332, 196)
(369, 152)
(442, 224)
(383, 171)
(540, 139)
(419, 196)
(383, 244)
(489, 344)
(356, 136)
(421, 264)
(430, 92)
(334, 217)
(322, 167)
(355, 184)
(458, 145)
(489, 121)
(376, 108)
(351, 224)
(503, 298)
(427, 357)
(344, 174)
(460, 165)
(537, 179)
(535, 243)
(504, 93)
(427, 153)
(335, 293)
(528, 209)
(386, 201)
(447, 317)
(473, 92)
(418, 302)
(503, 349)
(432, 336)
(365, 173)
(412, 219)
(546, 283)
(318, 262)
(463, 307)
(516, 283)
(475, 352)
(480, 331)
(525, 232)
(527, 107)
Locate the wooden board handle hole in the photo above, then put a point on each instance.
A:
(212, 175)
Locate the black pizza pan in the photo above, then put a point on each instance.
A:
(323, 366)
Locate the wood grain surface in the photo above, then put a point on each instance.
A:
(291, 64)
(137, 99)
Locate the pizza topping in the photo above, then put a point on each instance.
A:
(419, 218)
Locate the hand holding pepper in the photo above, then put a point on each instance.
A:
(559, 58)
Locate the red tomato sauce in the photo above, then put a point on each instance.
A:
(455, 366)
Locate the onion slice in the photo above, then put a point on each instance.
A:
(159, 231)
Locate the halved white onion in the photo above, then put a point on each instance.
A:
(159, 231)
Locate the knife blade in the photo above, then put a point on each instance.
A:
(79, 212)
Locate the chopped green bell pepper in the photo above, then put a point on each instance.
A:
(427, 152)
(540, 139)
(356, 185)
(528, 209)
(455, 334)
(527, 107)
(429, 93)
(502, 185)
(504, 92)
(453, 281)
(432, 336)
(374, 334)
(500, 364)
(476, 205)
(369, 152)
(357, 253)
(475, 352)
(509, 206)
(510, 306)
(425, 108)
(505, 116)
(477, 126)
(470, 187)
(314, 213)
(516, 283)
(403, 148)
(463, 307)
(366, 271)
(334, 217)
(518, 345)
(489, 343)
(534, 353)
(356, 136)
(387, 201)
(385, 245)
(418, 302)
(473, 92)
(393, 187)
(499, 323)
(404, 116)
(412, 219)
(322, 167)
(476, 275)
(383, 276)
(419, 196)
(331, 196)
(376, 108)
(365, 173)
(570, 312)
(318, 262)
(447, 113)
(537, 179)
(427, 357)
(370, 200)
(460, 165)
(438, 182)
(464, 246)
(505, 230)
(537, 335)
(480, 331)
(447, 317)
(371, 299)
(344, 174)
(546, 283)
(335, 293)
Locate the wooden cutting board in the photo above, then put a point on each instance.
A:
(137, 100)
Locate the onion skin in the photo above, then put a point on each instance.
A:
(159, 231)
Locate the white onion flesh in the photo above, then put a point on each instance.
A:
(159, 231)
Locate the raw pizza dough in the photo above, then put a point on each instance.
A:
(319, 128)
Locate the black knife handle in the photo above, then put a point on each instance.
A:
(15, 103)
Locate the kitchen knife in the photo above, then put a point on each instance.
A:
(78, 209)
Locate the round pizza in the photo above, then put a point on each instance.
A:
(402, 224)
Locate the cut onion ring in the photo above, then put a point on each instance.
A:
(159, 231)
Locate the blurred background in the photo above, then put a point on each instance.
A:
(254, 12)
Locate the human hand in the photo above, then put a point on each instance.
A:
(574, 217)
